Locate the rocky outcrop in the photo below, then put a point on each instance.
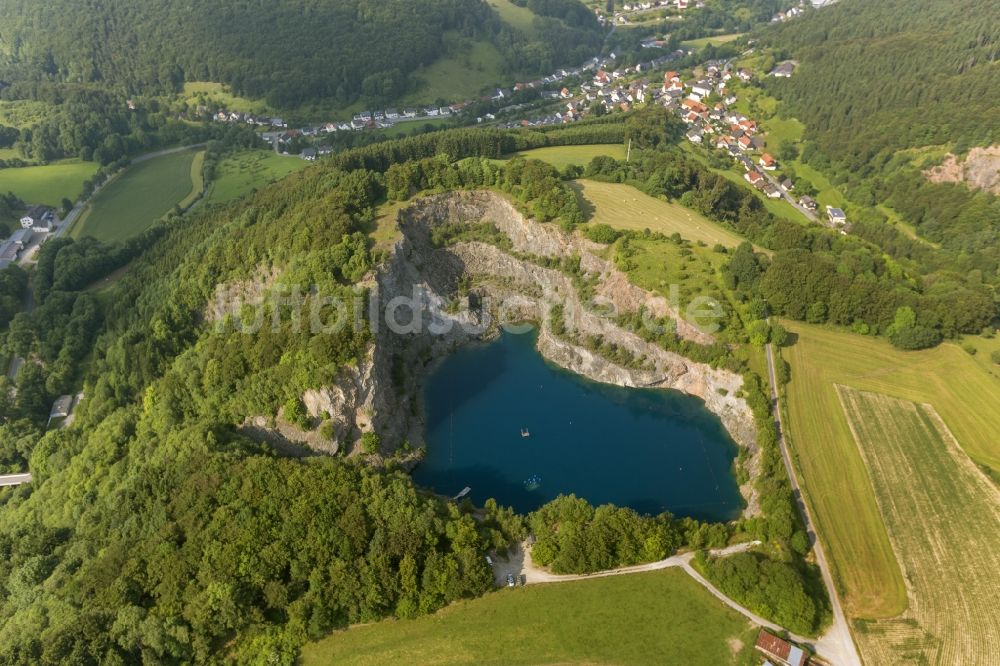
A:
(979, 170)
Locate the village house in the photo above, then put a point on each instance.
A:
(784, 70)
(702, 89)
(767, 162)
(808, 203)
(753, 177)
(787, 185)
(780, 650)
(836, 216)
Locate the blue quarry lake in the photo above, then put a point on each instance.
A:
(649, 449)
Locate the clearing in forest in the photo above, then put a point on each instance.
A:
(624, 207)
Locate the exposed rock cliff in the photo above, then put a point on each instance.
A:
(427, 300)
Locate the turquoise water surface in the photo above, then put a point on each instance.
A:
(650, 449)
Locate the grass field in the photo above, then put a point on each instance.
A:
(781, 129)
(468, 67)
(220, 94)
(662, 617)
(562, 156)
(521, 18)
(383, 231)
(136, 199)
(943, 518)
(197, 180)
(660, 266)
(242, 172)
(48, 184)
(836, 481)
(624, 207)
(715, 39)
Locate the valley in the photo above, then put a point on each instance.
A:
(499, 331)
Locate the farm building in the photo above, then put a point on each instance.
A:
(781, 650)
(38, 216)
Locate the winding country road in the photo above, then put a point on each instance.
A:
(836, 644)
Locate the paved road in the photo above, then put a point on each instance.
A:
(14, 479)
(836, 644)
(789, 198)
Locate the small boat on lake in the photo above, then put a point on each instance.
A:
(525, 433)
(532, 482)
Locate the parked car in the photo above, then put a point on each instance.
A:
(510, 580)
(489, 560)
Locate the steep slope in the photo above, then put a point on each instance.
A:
(879, 76)
(287, 52)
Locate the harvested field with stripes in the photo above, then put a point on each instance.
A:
(942, 515)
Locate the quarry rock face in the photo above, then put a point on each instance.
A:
(463, 292)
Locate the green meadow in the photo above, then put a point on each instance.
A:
(48, 184)
(661, 617)
(137, 198)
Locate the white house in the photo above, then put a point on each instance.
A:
(836, 216)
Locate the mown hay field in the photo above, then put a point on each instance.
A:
(836, 480)
(624, 207)
(943, 519)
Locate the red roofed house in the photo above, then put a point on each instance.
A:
(748, 125)
(671, 76)
(753, 177)
(768, 162)
(695, 106)
(781, 650)
(745, 142)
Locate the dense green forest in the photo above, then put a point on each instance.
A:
(155, 530)
(288, 53)
(876, 79)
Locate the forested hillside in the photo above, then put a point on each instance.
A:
(287, 52)
(883, 86)
(880, 76)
